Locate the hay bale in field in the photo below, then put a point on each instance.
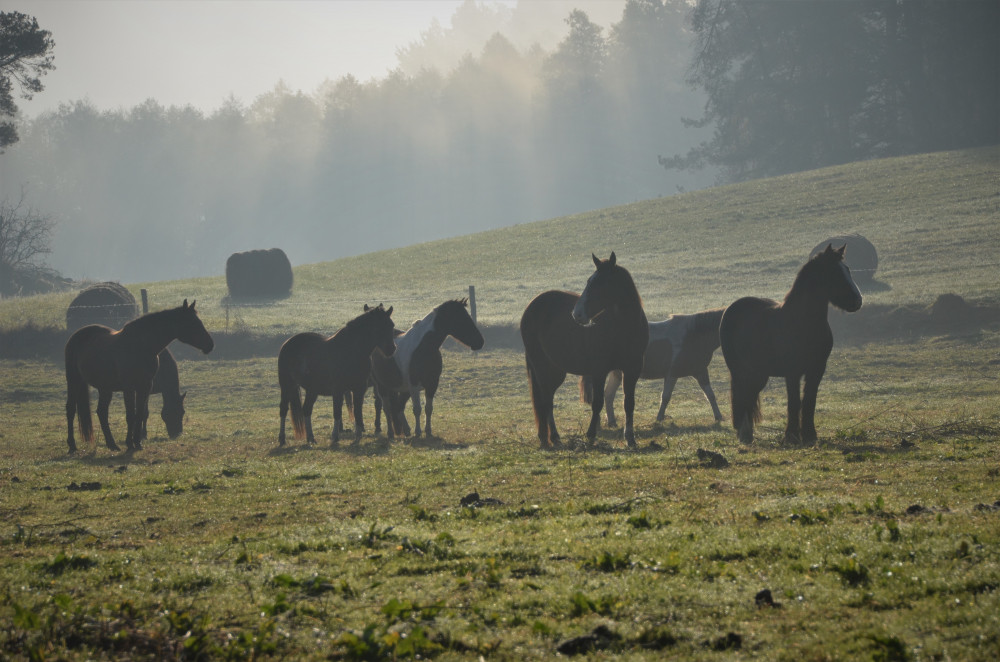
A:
(110, 304)
(861, 256)
(259, 274)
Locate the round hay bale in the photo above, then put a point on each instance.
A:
(259, 274)
(860, 256)
(110, 304)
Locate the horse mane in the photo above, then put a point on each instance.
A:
(807, 274)
(152, 318)
(363, 317)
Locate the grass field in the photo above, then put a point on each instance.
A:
(881, 542)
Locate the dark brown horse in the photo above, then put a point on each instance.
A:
(124, 361)
(331, 366)
(417, 364)
(762, 338)
(593, 333)
(167, 383)
(679, 346)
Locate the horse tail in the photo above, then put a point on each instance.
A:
(290, 394)
(586, 390)
(349, 404)
(78, 393)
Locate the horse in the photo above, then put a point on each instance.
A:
(591, 334)
(331, 366)
(762, 338)
(680, 346)
(167, 383)
(417, 364)
(125, 361)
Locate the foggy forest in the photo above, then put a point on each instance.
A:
(672, 97)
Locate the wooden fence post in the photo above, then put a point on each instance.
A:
(472, 303)
(145, 301)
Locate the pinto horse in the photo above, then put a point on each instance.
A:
(167, 383)
(417, 364)
(590, 334)
(126, 361)
(331, 366)
(679, 346)
(762, 338)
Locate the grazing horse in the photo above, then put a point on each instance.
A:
(417, 364)
(331, 366)
(762, 338)
(167, 383)
(591, 334)
(680, 346)
(126, 361)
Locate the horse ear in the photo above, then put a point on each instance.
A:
(192, 303)
(597, 262)
(185, 303)
(842, 250)
(389, 312)
(367, 308)
(612, 259)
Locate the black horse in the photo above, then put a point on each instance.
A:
(593, 333)
(417, 364)
(126, 361)
(331, 366)
(762, 338)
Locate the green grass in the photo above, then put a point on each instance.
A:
(882, 542)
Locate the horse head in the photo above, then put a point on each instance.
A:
(191, 331)
(453, 319)
(172, 414)
(609, 286)
(383, 328)
(841, 289)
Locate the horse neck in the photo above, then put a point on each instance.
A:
(152, 332)
(628, 309)
(805, 299)
(167, 381)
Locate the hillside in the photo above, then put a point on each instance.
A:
(933, 219)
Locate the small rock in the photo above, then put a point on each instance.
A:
(765, 599)
(602, 637)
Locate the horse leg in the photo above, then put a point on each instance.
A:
(428, 408)
(415, 400)
(141, 414)
(596, 405)
(610, 388)
(338, 418)
(131, 418)
(793, 432)
(359, 405)
(283, 409)
(70, 411)
(669, 381)
(378, 411)
(103, 403)
(629, 381)
(706, 388)
(810, 392)
(307, 413)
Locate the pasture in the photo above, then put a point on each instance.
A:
(882, 541)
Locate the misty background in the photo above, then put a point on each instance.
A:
(479, 126)
(507, 113)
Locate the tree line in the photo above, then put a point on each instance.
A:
(671, 97)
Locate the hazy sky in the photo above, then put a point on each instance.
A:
(118, 53)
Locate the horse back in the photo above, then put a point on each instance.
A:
(90, 351)
(759, 335)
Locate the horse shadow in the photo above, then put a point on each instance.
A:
(434, 442)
